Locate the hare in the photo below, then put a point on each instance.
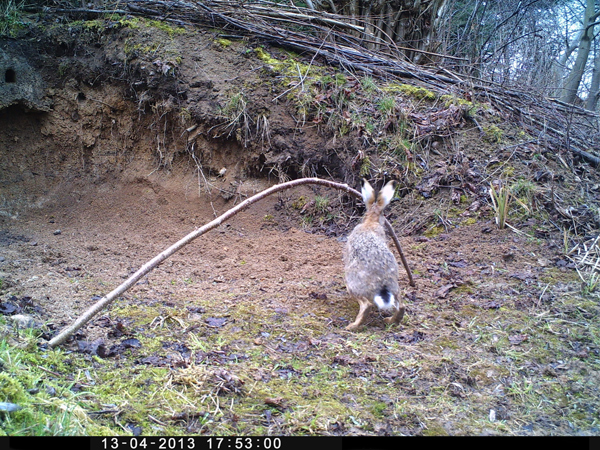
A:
(370, 267)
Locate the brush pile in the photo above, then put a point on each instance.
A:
(586, 257)
(347, 43)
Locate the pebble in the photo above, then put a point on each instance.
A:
(57, 232)
(23, 321)
(9, 407)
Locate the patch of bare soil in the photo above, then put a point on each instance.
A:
(108, 234)
(139, 150)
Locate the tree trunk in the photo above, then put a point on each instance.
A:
(592, 99)
(559, 67)
(410, 24)
(569, 93)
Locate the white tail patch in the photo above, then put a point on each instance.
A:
(385, 303)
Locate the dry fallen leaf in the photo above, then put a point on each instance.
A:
(517, 339)
(277, 402)
(443, 291)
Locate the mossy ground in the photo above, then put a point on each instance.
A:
(246, 363)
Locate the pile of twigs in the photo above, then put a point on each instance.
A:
(346, 42)
(586, 257)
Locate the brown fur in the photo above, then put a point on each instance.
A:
(369, 263)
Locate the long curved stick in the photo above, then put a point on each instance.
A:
(392, 233)
(109, 298)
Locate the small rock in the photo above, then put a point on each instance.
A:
(8, 308)
(508, 257)
(135, 430)
(543, 262)
(9, 407)
(488, 432)
(23, 321)
(57, 232)
(215, 322)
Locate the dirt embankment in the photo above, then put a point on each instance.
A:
(137, 101)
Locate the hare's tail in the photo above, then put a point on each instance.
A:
(384, 299)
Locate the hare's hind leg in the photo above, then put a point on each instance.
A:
(365, 307)
(397, 317)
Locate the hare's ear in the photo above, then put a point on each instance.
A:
(368, 193)
(386, 194)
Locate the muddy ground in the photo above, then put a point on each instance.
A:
(247, 322)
